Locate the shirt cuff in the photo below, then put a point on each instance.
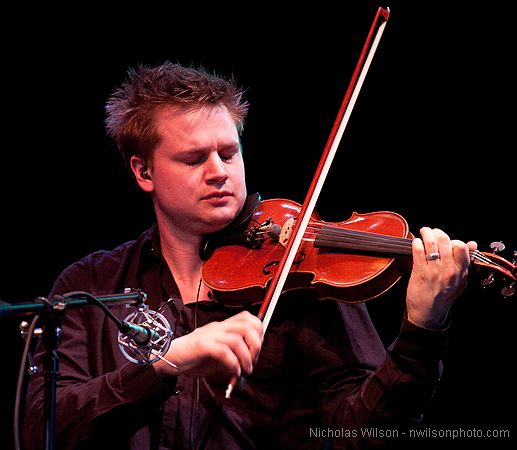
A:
(419, 343)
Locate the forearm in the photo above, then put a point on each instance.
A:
(401, 388)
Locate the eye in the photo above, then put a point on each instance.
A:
(229, 153)
(194, 162)
(227, 157)
(193, 159)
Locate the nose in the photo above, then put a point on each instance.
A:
(215, 169)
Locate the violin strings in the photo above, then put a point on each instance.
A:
(480, 256)
(361, 235)
(329, 231)
(326, 236)
(360, 240)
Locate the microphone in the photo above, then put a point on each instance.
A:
(140, 335)
(144, 335)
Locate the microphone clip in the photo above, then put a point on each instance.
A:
(146, 335)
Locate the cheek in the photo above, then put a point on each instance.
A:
(240, 187)
(172, 188)
(170, 178)
(238, 173)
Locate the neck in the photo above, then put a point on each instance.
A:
(181, 252)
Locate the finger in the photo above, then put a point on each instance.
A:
(237, 345)
(251, 328)
(251, 336)
(461, 254)
(226, 358)
(444, 245)
(418, 250)
(429, 250)
(248, 320)
(254, 341)
(472, 245)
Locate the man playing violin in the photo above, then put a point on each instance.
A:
(319, 376)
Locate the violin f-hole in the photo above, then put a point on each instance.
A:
(266, 271)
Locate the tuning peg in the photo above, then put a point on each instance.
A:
(509, 290)
(508, 269)
(497, 246)
(488, 280)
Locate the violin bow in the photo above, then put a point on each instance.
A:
(291, 248)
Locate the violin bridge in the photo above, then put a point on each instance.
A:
(286, 231)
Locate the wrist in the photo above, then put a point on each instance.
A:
(166, 368)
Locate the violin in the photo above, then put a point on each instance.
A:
(351, 261)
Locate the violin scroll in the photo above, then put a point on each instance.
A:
(497, 265)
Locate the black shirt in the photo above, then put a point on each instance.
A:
(322, 373)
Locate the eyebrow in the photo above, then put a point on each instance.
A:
(233, 146)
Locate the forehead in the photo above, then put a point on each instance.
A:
(179, 119)
(183, 129)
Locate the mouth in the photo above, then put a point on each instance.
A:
(218, 197)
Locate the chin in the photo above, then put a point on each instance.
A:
(222, 221)
(221, 216)
(218, 220)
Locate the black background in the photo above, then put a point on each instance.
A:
(431, 137)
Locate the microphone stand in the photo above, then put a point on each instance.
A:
(51, 338)
(51, 311)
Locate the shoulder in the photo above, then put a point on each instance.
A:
(103, 258)
(104, 269)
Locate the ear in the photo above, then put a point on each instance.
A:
(142, 173)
